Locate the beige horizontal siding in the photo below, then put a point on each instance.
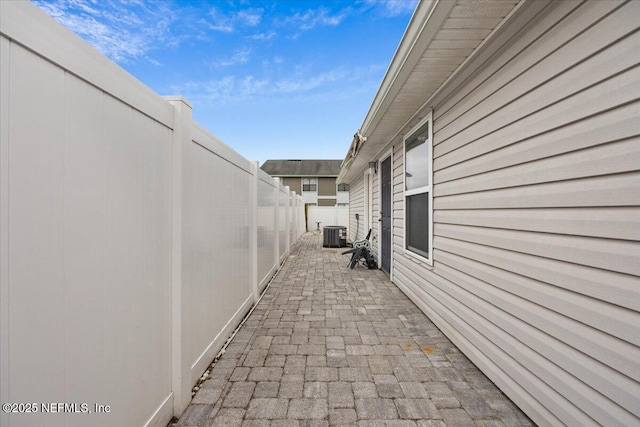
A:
(397, 232)
(356, 205)
(607, 286)
(610, 94)
(607, 254)
(596, 326)
(612, 190)
(613, 125)
(536, 271)
(611, 223)
(326, 202)
(294, 184)
(326, 186)
(543, 37)
(375, 223)
(612, 158)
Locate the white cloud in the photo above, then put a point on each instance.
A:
(119, 33)
(305, 84)
(316, 17)
(270, 63)
(253, 86)
(225, 89)
(234, 88)
(264, 36)
(228, 23)
(391, 8)
(219, 21)
(250, 17)
(240, 56)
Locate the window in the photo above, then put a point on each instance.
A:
(309, 184)
(343, 187)
(418, 194)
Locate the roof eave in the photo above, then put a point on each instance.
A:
(421, 31)
(414, 41)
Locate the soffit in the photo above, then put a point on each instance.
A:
(450, 32)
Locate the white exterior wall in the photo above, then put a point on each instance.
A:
(376, 213)
(327, 215)
(356, 206)
(536, 253)
(125, 233)
(310, 196)
(365, 190)
(342, 197)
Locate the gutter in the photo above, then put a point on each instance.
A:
(406, 56)
(416, 39)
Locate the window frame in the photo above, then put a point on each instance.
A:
(420, 190)
(311, 182)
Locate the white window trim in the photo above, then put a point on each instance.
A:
(309, 178)
(428, 188)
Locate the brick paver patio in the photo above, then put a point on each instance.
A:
(329, 346)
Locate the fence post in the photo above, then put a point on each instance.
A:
(294, 207)
(253, 195)
(302, 219)
(287, 219)
(4, 225)
(276, 219)
(294, 211)
(181, 138)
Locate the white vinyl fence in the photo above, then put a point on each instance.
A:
(132, 241)
(327, 215)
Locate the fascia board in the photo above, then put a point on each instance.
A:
(424, 25)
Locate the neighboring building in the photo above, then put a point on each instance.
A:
(315, 180)
(504, 195)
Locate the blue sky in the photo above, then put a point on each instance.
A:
(272, 79)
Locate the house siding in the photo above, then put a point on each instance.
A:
(294, 184)
(536, 207)
(376, 214)
(326, 186)
(356, 206)
(398, 199)
(326, 202)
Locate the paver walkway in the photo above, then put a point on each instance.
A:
(329, 346)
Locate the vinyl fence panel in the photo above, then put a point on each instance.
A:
(126, 234)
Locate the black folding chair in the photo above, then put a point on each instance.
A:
(361, 250)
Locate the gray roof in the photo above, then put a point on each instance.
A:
(302, 167)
